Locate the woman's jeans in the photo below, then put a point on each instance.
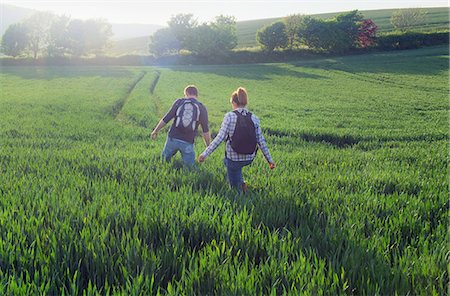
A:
(186, 149)
(234, 172)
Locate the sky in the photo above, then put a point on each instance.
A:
(159, 12)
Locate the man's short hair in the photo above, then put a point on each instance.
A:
(191, 90)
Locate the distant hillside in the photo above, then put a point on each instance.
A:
(128, 31)
(437, 19)
(137, 46)
(10, 14)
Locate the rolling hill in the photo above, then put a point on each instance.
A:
(437, 19)
(10, 14)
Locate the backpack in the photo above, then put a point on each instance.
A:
(188, 114)
(243, 140)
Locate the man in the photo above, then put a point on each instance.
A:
(188, 113)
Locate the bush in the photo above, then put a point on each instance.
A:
(409, 40)
(273, 36)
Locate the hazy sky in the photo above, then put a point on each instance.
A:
(159, 12)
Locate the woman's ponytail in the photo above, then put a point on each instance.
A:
(240, 97)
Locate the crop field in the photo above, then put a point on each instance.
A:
(358, 203)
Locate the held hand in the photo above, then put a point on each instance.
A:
(271, 165)
(154, 135)
(201, 158)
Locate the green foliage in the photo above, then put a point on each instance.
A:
(405, 19)
(357, 205)
(295, 24)
(181, 26)
(339, 34)
(46, 34)
(273, 36)
(38, 27)
(164, 42)
(409, 40)
(213, 39)
(15, 40)
(59, 39)
(89, 36)
(208, 39)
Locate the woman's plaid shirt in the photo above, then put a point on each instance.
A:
(227, 131)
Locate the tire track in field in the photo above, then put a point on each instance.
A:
(117, 108)
(382, 80)
(123, 117)
(156, 99)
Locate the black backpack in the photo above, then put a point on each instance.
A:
(187, 116)
(243, 140)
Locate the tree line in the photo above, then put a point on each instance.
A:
(47, 34)
(338, 34)
(185, 33)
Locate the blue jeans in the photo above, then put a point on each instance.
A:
(186, 149)
(234, 172)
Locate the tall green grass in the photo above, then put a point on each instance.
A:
(357, 205)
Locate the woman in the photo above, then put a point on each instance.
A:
(242, 132)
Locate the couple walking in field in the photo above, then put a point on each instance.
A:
(240, 129)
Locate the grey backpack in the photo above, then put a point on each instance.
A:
(188, 114)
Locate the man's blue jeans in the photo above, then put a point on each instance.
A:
(186, 149)
(234, 172)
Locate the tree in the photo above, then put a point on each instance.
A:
(15, 40)
(349, 24)
(215, 38)
(99, 33)
(273, 36)
(294, 24)
(404, 19)
(88, 37)
(367, 33)
(181, 26)
(164, 42)
(38, 26)
(338, 34)
(322, 34)
(225, 28)
(59, 41)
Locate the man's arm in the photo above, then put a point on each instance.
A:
(207, 138)
(158, 127)
(205, 126)
(162, 123)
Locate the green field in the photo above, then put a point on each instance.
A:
(437, 19)
(358, 203)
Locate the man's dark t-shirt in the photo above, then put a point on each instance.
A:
(183, 135)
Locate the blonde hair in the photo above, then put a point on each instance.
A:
(191, 90)
(240, 97)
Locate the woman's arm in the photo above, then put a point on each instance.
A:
(262, 144)
(221, 136)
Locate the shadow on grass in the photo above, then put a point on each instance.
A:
(425, 61)
(348, 141)
(249, 72)
(66, 72)
(367, 272)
